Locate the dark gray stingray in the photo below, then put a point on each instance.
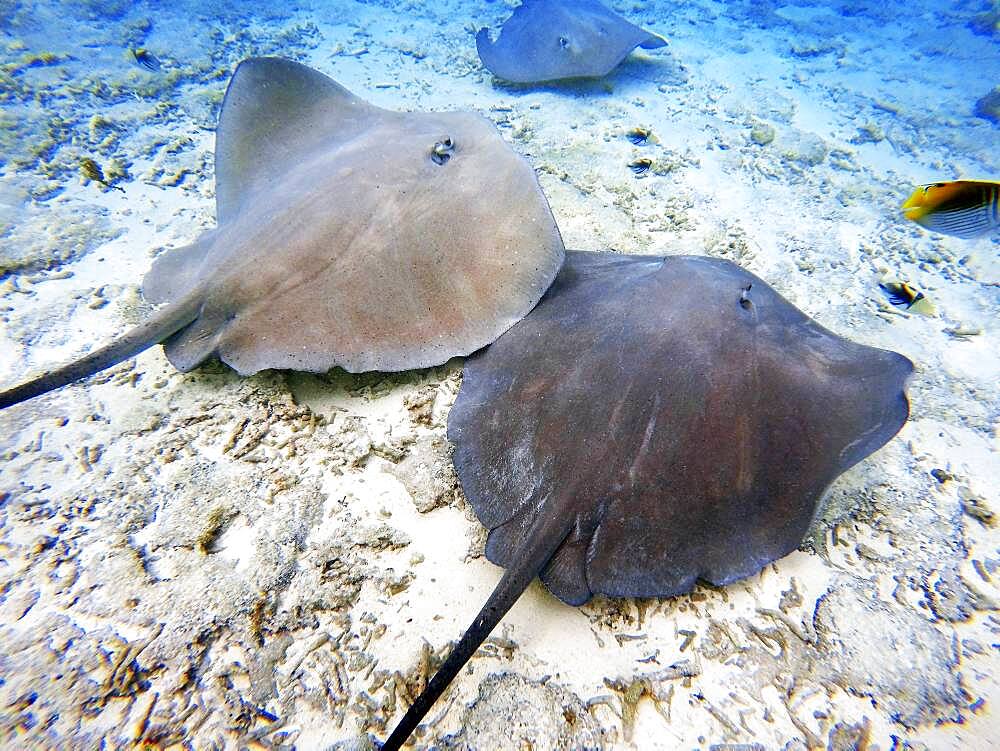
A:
(348, 235)
(548, 40)
(655, 421)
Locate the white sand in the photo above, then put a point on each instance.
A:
(259, 539)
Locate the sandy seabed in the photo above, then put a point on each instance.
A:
(280, 560)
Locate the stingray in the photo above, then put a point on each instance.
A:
(548, 40)
(655, 422)
(347, 235)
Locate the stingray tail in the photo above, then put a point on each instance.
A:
(163, 323)
(538, 547)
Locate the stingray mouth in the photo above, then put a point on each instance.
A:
(442, 150)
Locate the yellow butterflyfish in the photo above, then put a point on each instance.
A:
(963, 208)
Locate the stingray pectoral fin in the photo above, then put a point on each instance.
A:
(275, 113)
(164, 323)
(653, 41)
(484, 46)
(178, 271)
(546, 535)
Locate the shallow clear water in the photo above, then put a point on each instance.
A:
(285, 542)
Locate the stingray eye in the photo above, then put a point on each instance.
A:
(441, 151)
(745, 302)
(564, 43)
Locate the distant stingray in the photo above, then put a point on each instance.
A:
(655, 421)
(348, 235)
(548, 40)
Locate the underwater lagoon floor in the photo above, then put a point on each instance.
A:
(232, 560)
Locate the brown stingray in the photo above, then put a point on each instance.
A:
(348, 235)
(550, 40)
(655, 421)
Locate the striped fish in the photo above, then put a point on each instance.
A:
(963, 208)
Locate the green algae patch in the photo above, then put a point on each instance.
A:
(762, 134)
(804, 149)
(68, 236)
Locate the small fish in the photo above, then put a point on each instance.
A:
(92, 171)
(963, 208)
(146, 59)
(639, 135)
(906, 296)
(640, 166)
